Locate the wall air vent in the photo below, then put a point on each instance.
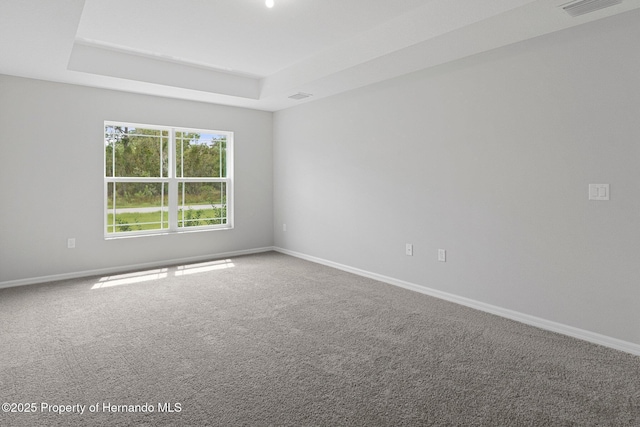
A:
(300, 95)
(581, 7)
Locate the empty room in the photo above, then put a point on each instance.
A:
(320, 213)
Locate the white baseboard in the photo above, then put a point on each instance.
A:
(538, 322)
(499, 311)
(123, 268)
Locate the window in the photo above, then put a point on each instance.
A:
(162, 179)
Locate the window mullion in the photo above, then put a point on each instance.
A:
(173, 182)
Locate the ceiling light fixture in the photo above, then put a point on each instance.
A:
(269, 3)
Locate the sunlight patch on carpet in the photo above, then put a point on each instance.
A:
(162, 273)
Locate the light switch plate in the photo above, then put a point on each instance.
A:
(598, 191)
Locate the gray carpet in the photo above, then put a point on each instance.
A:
(269, 339)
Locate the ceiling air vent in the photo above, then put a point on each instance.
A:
(300, 95)
(581, 7)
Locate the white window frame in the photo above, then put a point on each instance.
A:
(172, 181)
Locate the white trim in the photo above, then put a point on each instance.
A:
(527, 319)
(230, 187)
(124, 268)
(538, 322)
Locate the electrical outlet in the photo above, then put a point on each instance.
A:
(71, 243)
(598, 191)
(284, 227)
(442, 255)
(408, 249)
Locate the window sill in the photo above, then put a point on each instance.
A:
(133, 235)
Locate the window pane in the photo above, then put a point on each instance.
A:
(135, 152)
(202, 203)
(201, 155)
(133, 206)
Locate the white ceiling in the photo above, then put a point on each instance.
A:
(238, 52)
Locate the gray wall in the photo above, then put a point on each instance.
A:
(489, 158)
(51, 146)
